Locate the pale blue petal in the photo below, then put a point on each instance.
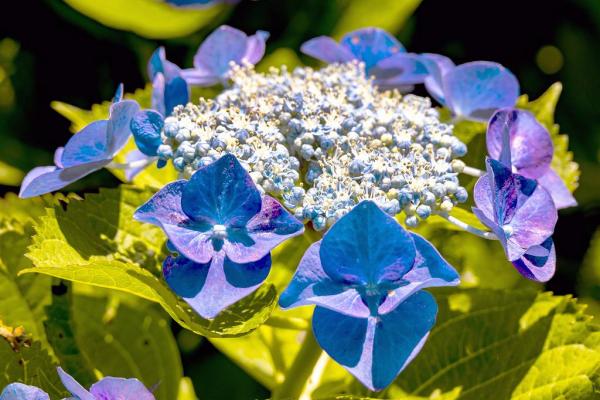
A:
(367, 246)
(561, 195)
(255, 47)
(475, 90)
(539, 262)
(88, 145)
(437, 66)
(19, 391)
(42, 180)
(399, 70)
(224, 45)
(376, 349)
(118, 129)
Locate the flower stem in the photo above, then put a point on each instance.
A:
(466, 227)
(473, 171)
(305, 373)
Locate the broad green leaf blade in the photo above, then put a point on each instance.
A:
(32, 366)
(505, 345)
(128, 339)
(10, 175)
(97, 242)
(543, 108)
(150, 176)
(186, 390)
(390, 15)
(149, 18)
(22, 299)
(60, 334)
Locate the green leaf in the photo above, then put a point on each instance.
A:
(543, 108)
(32, 366)
(10, 175)
(22, 299)
(507, 345)
(128, 339)
(390, 15)
(59, 331)
(148, 18)
(186, 390)
(97, 242)
(151, 176)
(589, 274)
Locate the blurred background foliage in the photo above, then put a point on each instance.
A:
(77, 51)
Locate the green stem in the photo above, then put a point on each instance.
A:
(296, 377)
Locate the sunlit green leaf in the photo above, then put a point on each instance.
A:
(10, 175)
(148, 18)
(97, 242)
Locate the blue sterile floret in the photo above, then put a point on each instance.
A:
(223, 229)
(365, 277)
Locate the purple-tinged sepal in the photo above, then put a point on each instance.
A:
(20, 391)
(523, 216)
(169, 88)
(518, 140)
(224, 46)
(365, 277)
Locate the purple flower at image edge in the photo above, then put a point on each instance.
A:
(472, 91)
(20, 391)
(225, 45)
(365, 277)
(527, 147)
(522, 215)
(89, 150)
(107, 388)
(199, 3)
(223, 230)
(384, 57)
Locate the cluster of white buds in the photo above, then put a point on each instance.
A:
(322, 141)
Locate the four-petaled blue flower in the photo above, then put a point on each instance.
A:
(169, 90)
(528, 149)
(107, 388)
(384, 57)
(225, 45)
(223, 230)
(471, 91)
(87, 151)
(365, 277)
(522, 214)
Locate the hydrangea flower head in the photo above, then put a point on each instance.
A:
(224, 231)
(322, 141)
(384, 57)
(473, 90)
(365, 277)
(527, 147)
(108, 388)
(87, 151)
(522, 214)
(220, 49)
(20, 391)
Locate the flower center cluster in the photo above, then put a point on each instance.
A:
(322, 141)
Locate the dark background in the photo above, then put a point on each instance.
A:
(55, 53)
